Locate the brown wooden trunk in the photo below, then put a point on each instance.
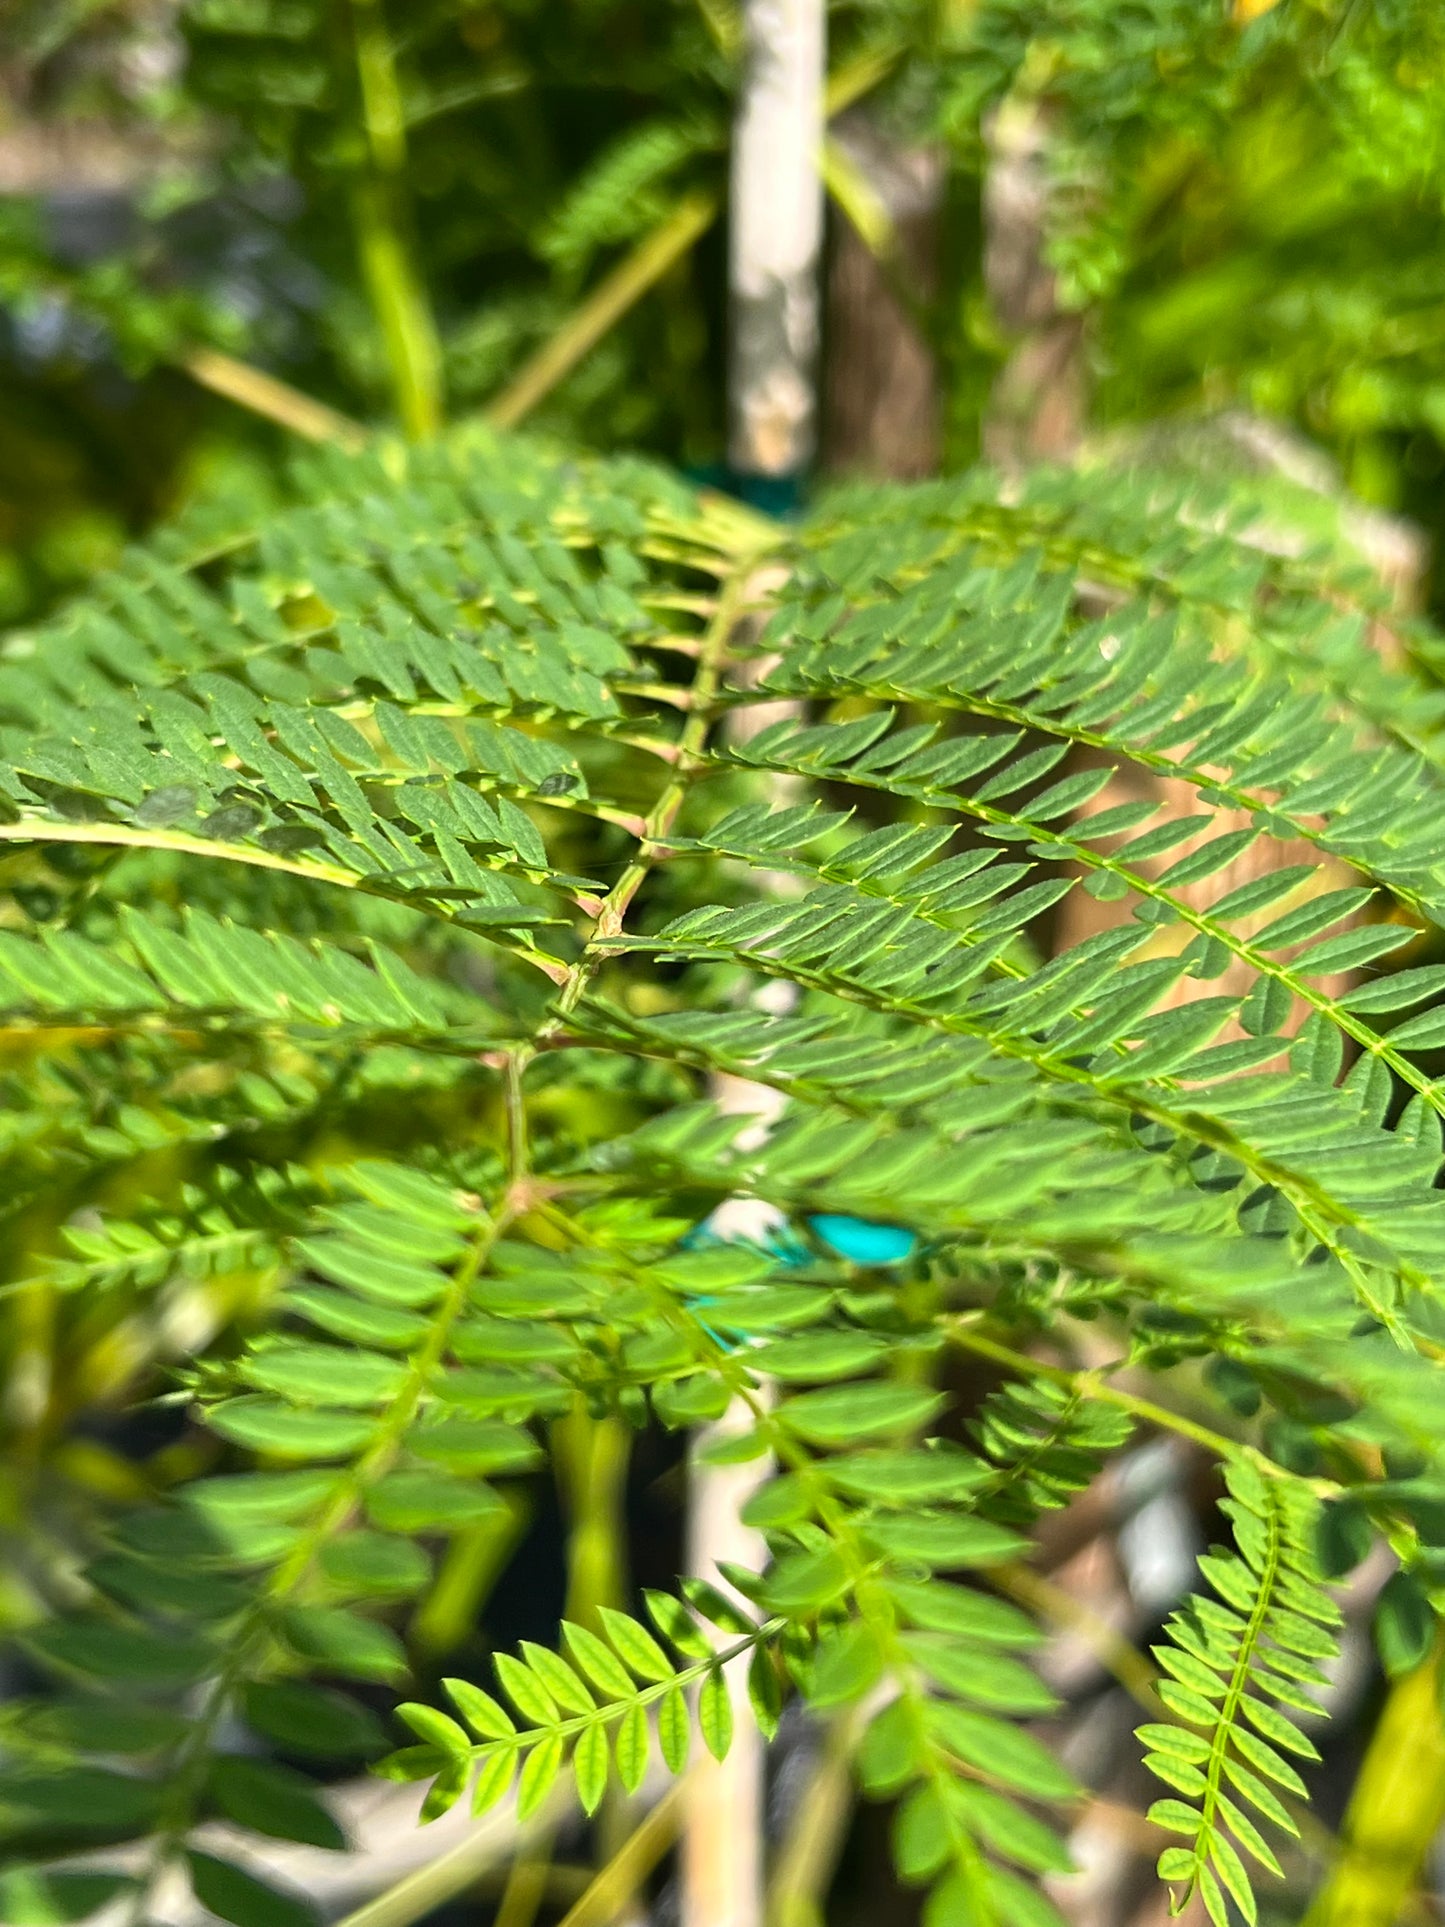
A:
(1036, 411)
(881, 402)
(1395, 550)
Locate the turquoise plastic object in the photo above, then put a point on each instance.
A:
(859, 1240)
(864, 1242)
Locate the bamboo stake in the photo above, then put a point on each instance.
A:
(722, 1842)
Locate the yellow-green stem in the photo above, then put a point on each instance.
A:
(473, 1561)
(616, 1882)
(1395, 1811)
(613, 296)
(808, 1855)
(381, 215)
(276, 401)
(591, 1456)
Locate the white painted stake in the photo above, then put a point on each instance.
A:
(722, 1841)
(776, 233)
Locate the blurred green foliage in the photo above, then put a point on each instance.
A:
(1245, 202)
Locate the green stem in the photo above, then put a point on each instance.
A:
(808, 1855)
(479, 1852)
(1091, 1385)
(526, 1883)
(1395, 1811)
(518, 1150)
(380, 213)
(250, 1638)
(618, 1880)
(592, 1455)
(640, 270)
(577, 1723)
(1239, 1680)
(470, 1567)
(664, 813)
(1069, 1613)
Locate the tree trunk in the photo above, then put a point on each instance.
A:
(1036, 412)
(1392, 547)
(881, 403)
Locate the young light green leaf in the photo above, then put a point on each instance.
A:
(589, 1764)
(484, 1715)
(765, 1692)
(676, 1624)
(558, 1677)
(629, 1747)
(526, 1692)
(595, 1660)
(636, 1645)
(434, 1727)
(538, 1776)
(674, 1729)
(496, 1766)
(715, 1713)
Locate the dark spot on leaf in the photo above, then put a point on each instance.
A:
(167, 805)
(231, 820)
(289, 838)
(38, 904)
(558, 783)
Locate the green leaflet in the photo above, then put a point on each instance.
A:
(1273, 1630)
(272, 1800)
(239, 1897)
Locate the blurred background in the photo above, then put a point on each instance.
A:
(1049, 221)
(1203, 233)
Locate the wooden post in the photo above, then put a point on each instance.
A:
(776, 215)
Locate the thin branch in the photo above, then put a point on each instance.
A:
(664, 812)
(29, 829)
(518, 1156)
(640, 270)
(1092, 1385)
(633, 1861)
(276, 401)
(809, 1851)
(1115, 1653)
(526, 1884)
